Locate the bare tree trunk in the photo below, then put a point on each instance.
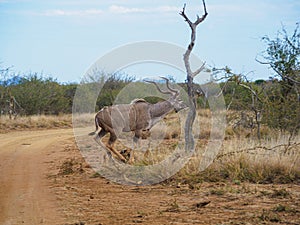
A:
(189, 139)
(11, 108)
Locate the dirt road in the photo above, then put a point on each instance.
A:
(25, 196)
(44, 180)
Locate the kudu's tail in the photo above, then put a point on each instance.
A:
(97, 126)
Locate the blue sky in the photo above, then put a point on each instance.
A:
(62, 38)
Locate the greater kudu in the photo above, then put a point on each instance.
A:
(138, 116)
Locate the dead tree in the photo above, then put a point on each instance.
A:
(11, 108)
(189, 140)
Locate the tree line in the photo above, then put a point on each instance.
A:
(35, 94)
(275, 101)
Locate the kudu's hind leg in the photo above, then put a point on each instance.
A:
(100, 135)
(98, 138)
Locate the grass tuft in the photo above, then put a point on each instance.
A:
(36, 122)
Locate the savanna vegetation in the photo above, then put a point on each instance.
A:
(262, 138)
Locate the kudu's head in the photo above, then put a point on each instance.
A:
(174, 99)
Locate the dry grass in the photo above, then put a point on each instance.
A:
(34, 122)
(273, 159)
(242, 157)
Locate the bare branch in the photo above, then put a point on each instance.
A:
(223, 88)
(193, 26)
(278, 72)
(193, 36)
(257, 148)
(199, 20)
(252, 91)
(199, 70)
(232, 94)
(182, 13)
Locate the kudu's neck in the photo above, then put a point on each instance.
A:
(160, 109)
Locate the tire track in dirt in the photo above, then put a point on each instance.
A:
(25, 196)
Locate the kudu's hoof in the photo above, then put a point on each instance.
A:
(92, 133)
(126, 154)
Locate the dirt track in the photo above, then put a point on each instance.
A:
(44, 180)
(25, 194)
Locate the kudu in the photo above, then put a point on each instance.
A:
(138, 116)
